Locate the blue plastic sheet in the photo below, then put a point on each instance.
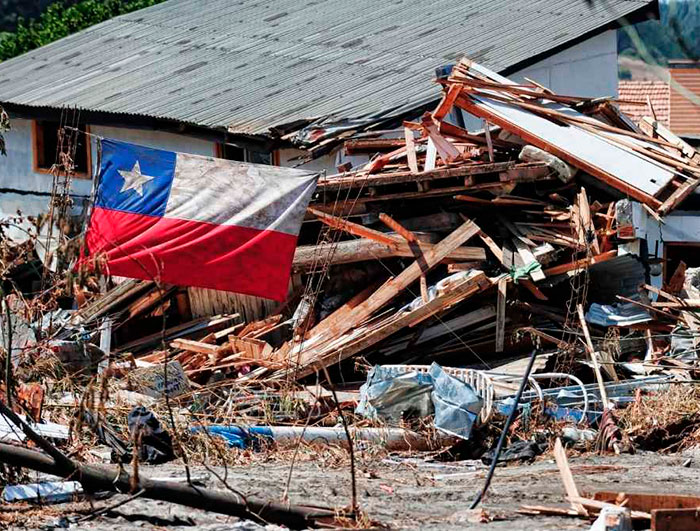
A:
(239, 437)
(391, 395)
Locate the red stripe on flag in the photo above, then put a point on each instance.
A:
(193, 253)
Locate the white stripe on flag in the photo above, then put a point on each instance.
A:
(236, 193)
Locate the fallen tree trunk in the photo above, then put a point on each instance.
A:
(95, 478)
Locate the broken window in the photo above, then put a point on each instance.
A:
(46, 148)
(232, 152)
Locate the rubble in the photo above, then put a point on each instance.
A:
(431, 272)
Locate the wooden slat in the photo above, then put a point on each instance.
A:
(501, 314)
(675, 519)
(567, 477)
(353, 228)
(411, 150)
(409, 275)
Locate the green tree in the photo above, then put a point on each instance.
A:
(61, 19)
(675, 36)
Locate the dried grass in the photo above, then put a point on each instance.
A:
(666, 420)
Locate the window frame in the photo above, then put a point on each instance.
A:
(37, 145)
(219, 154)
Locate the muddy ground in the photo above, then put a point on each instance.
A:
(402, 493)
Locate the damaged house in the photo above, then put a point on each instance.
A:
(281, 82)
(485, 247)
(278, 83)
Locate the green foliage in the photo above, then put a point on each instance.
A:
(62, 19)
(675, 36)
(13, 10)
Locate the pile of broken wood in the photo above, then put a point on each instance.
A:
(449, 244)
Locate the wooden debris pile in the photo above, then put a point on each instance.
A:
(462, 247)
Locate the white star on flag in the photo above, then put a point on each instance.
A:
(134, 179)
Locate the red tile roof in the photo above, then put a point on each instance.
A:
(658, 93)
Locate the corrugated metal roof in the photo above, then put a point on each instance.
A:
(250, 65)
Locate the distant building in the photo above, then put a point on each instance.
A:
(676, 103)
(656, 94)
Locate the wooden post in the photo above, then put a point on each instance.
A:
(501, 314)
(594, 359)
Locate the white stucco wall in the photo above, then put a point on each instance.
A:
(588, 69)
(16, 169)
(156, 139)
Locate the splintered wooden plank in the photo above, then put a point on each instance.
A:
(593, 356)
(501, 314)
(528, 258)
(411, 150)
(567, 477)
(675, 285)
(679, 195)
(495, 249)
(194, 346)
(251, 348)
(580, 264)
(447, 101)
(353, 228)
(396, 285)
(586, 227)
(532, 288)
(398, 228)
(446, 149)
(489, 142)
(312, 362)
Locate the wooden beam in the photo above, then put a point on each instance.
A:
(679, 195)
(362, 249)
(409, 275)
(398, 228)
(586, 226)
(353, 228)
(312, 362)
(675, 285)
(532, 288)
(489, 143)
(447, 150)
(567, 477)
(594, 358)
(447, 102)
(411, 150)
(501, 314)
(581, 263)
(361, 179)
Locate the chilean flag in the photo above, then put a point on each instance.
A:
(197, 221)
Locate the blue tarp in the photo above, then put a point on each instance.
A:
(239, 437)
(390, 394)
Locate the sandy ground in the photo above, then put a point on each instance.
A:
(399, 493)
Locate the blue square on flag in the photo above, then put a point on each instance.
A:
(134, 178)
